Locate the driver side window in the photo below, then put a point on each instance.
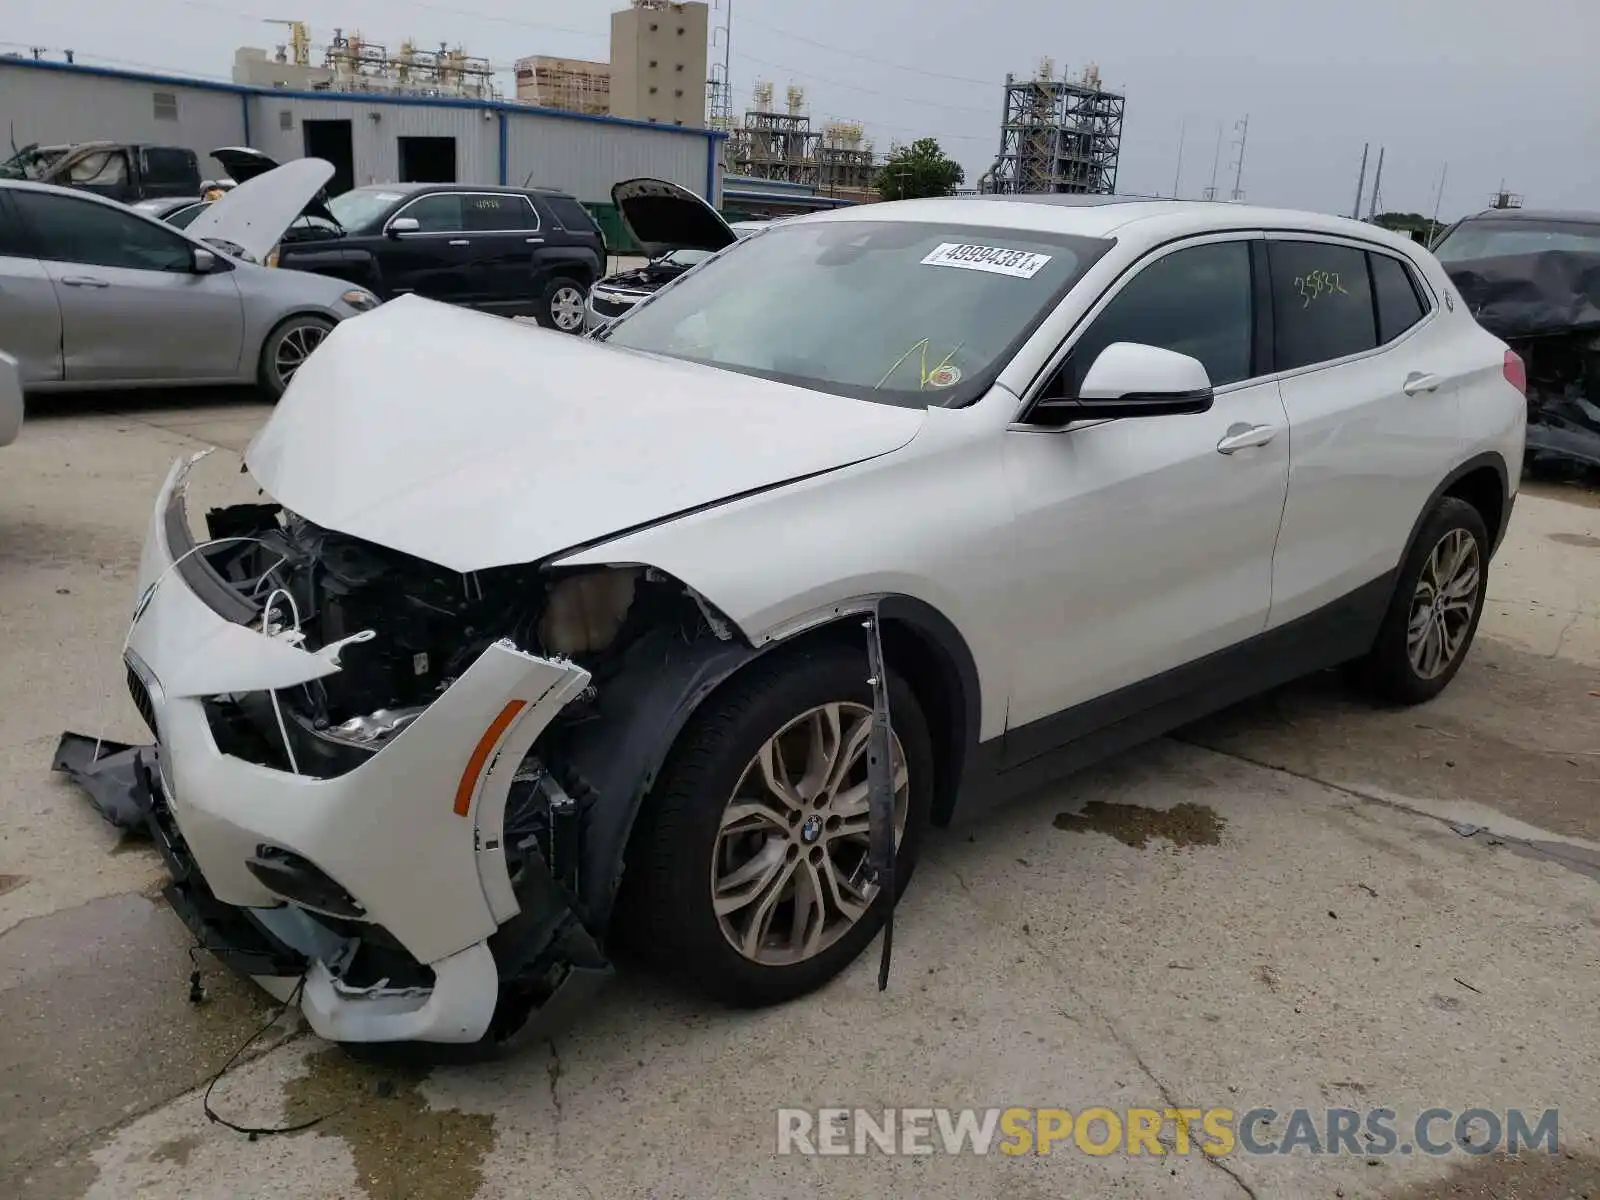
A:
(1196, 301)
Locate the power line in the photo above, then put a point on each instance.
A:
(866, 58)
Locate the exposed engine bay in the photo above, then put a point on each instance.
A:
(403, 631)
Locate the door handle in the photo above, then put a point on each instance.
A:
(534, 241)
(1418, 382)
(460, 242)
(1242, 436)
(83, 281)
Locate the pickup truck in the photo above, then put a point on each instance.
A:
(117, 170)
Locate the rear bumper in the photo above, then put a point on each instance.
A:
(410, 840)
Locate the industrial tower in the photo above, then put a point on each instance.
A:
(1057, 136)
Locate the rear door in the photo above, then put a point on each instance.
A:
(132, 308)
(30, 318)
(1372, 386)
(432, 260)
(503, 232)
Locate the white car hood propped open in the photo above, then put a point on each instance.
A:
(254, 215)
(473, 442)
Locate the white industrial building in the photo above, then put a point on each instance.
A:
(369, 138)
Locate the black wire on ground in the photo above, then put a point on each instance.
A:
(251, 1131)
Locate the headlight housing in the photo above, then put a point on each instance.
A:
(359, 299)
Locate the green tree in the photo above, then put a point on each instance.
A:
(920, 169)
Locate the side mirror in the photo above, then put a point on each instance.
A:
(1130, 379)
(402, 225)
(203, 262)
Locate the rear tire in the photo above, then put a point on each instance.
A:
(688, 851)
(1433, 615)
(286, 348)
(561, 306)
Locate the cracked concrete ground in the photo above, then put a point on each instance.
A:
(1300, 902)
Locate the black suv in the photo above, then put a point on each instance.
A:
(513, 251)
(518, 252)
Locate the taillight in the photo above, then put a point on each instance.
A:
(1516, 373)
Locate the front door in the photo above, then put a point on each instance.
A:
(1147, 543)
(132, 308)
(431, 260)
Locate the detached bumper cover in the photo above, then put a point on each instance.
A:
(413, 834)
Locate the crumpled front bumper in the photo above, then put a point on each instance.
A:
(412, 835)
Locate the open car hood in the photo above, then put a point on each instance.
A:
(663, 216)
(254, 215)
(1526, 295)
(244, 163)
(474, 442)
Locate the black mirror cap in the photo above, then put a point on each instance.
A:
(1057, 412)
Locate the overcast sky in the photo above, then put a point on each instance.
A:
(1499, 91)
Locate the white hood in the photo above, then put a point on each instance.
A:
(472, 441)
(254, 215)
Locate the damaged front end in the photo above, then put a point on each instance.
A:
(409, 787)
(1545, 305)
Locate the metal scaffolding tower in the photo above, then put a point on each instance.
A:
(1057, 135)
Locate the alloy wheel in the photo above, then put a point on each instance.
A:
(791, 870)
(566, 309)
(294, 347)
(1443, 604)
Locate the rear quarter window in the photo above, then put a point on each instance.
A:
(572, 215)
(168, 164)
(1321, 302)
(1397, 296)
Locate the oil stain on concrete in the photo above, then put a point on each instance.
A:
(1575, 539)
(178, 1151)
(10, 883)
(1183, 824)
(94, 1002)
(401, 1147)
(1535, 1176)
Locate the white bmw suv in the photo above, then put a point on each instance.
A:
(540, 641)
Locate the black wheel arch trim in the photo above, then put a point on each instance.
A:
(610, 763)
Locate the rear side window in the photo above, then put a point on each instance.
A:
(571, 214)
(1399, 307)
(1195, 301)
(490, 213)
(1321, 303)
(167, 164)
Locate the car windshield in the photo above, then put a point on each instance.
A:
(908, 313)
(361, 206)
(1492, 239)
(684, 258)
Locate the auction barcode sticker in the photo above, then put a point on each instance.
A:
(997, 260)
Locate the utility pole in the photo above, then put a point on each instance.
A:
(1177, 176)
(1361, 182)
(1377, 184)
(1438, 199)
(1238, 166)
(1211, 192)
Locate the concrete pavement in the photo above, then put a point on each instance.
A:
(1300, 902)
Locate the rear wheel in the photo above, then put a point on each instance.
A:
(561, 306)
(1435, 610)
(286, 349)
(750, 867)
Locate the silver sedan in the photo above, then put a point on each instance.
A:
(96, 295)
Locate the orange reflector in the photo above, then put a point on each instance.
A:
(481, 752)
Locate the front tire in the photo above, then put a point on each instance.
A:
(747, 868)
(286, 349)
(561, 306)
(1434, 613)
